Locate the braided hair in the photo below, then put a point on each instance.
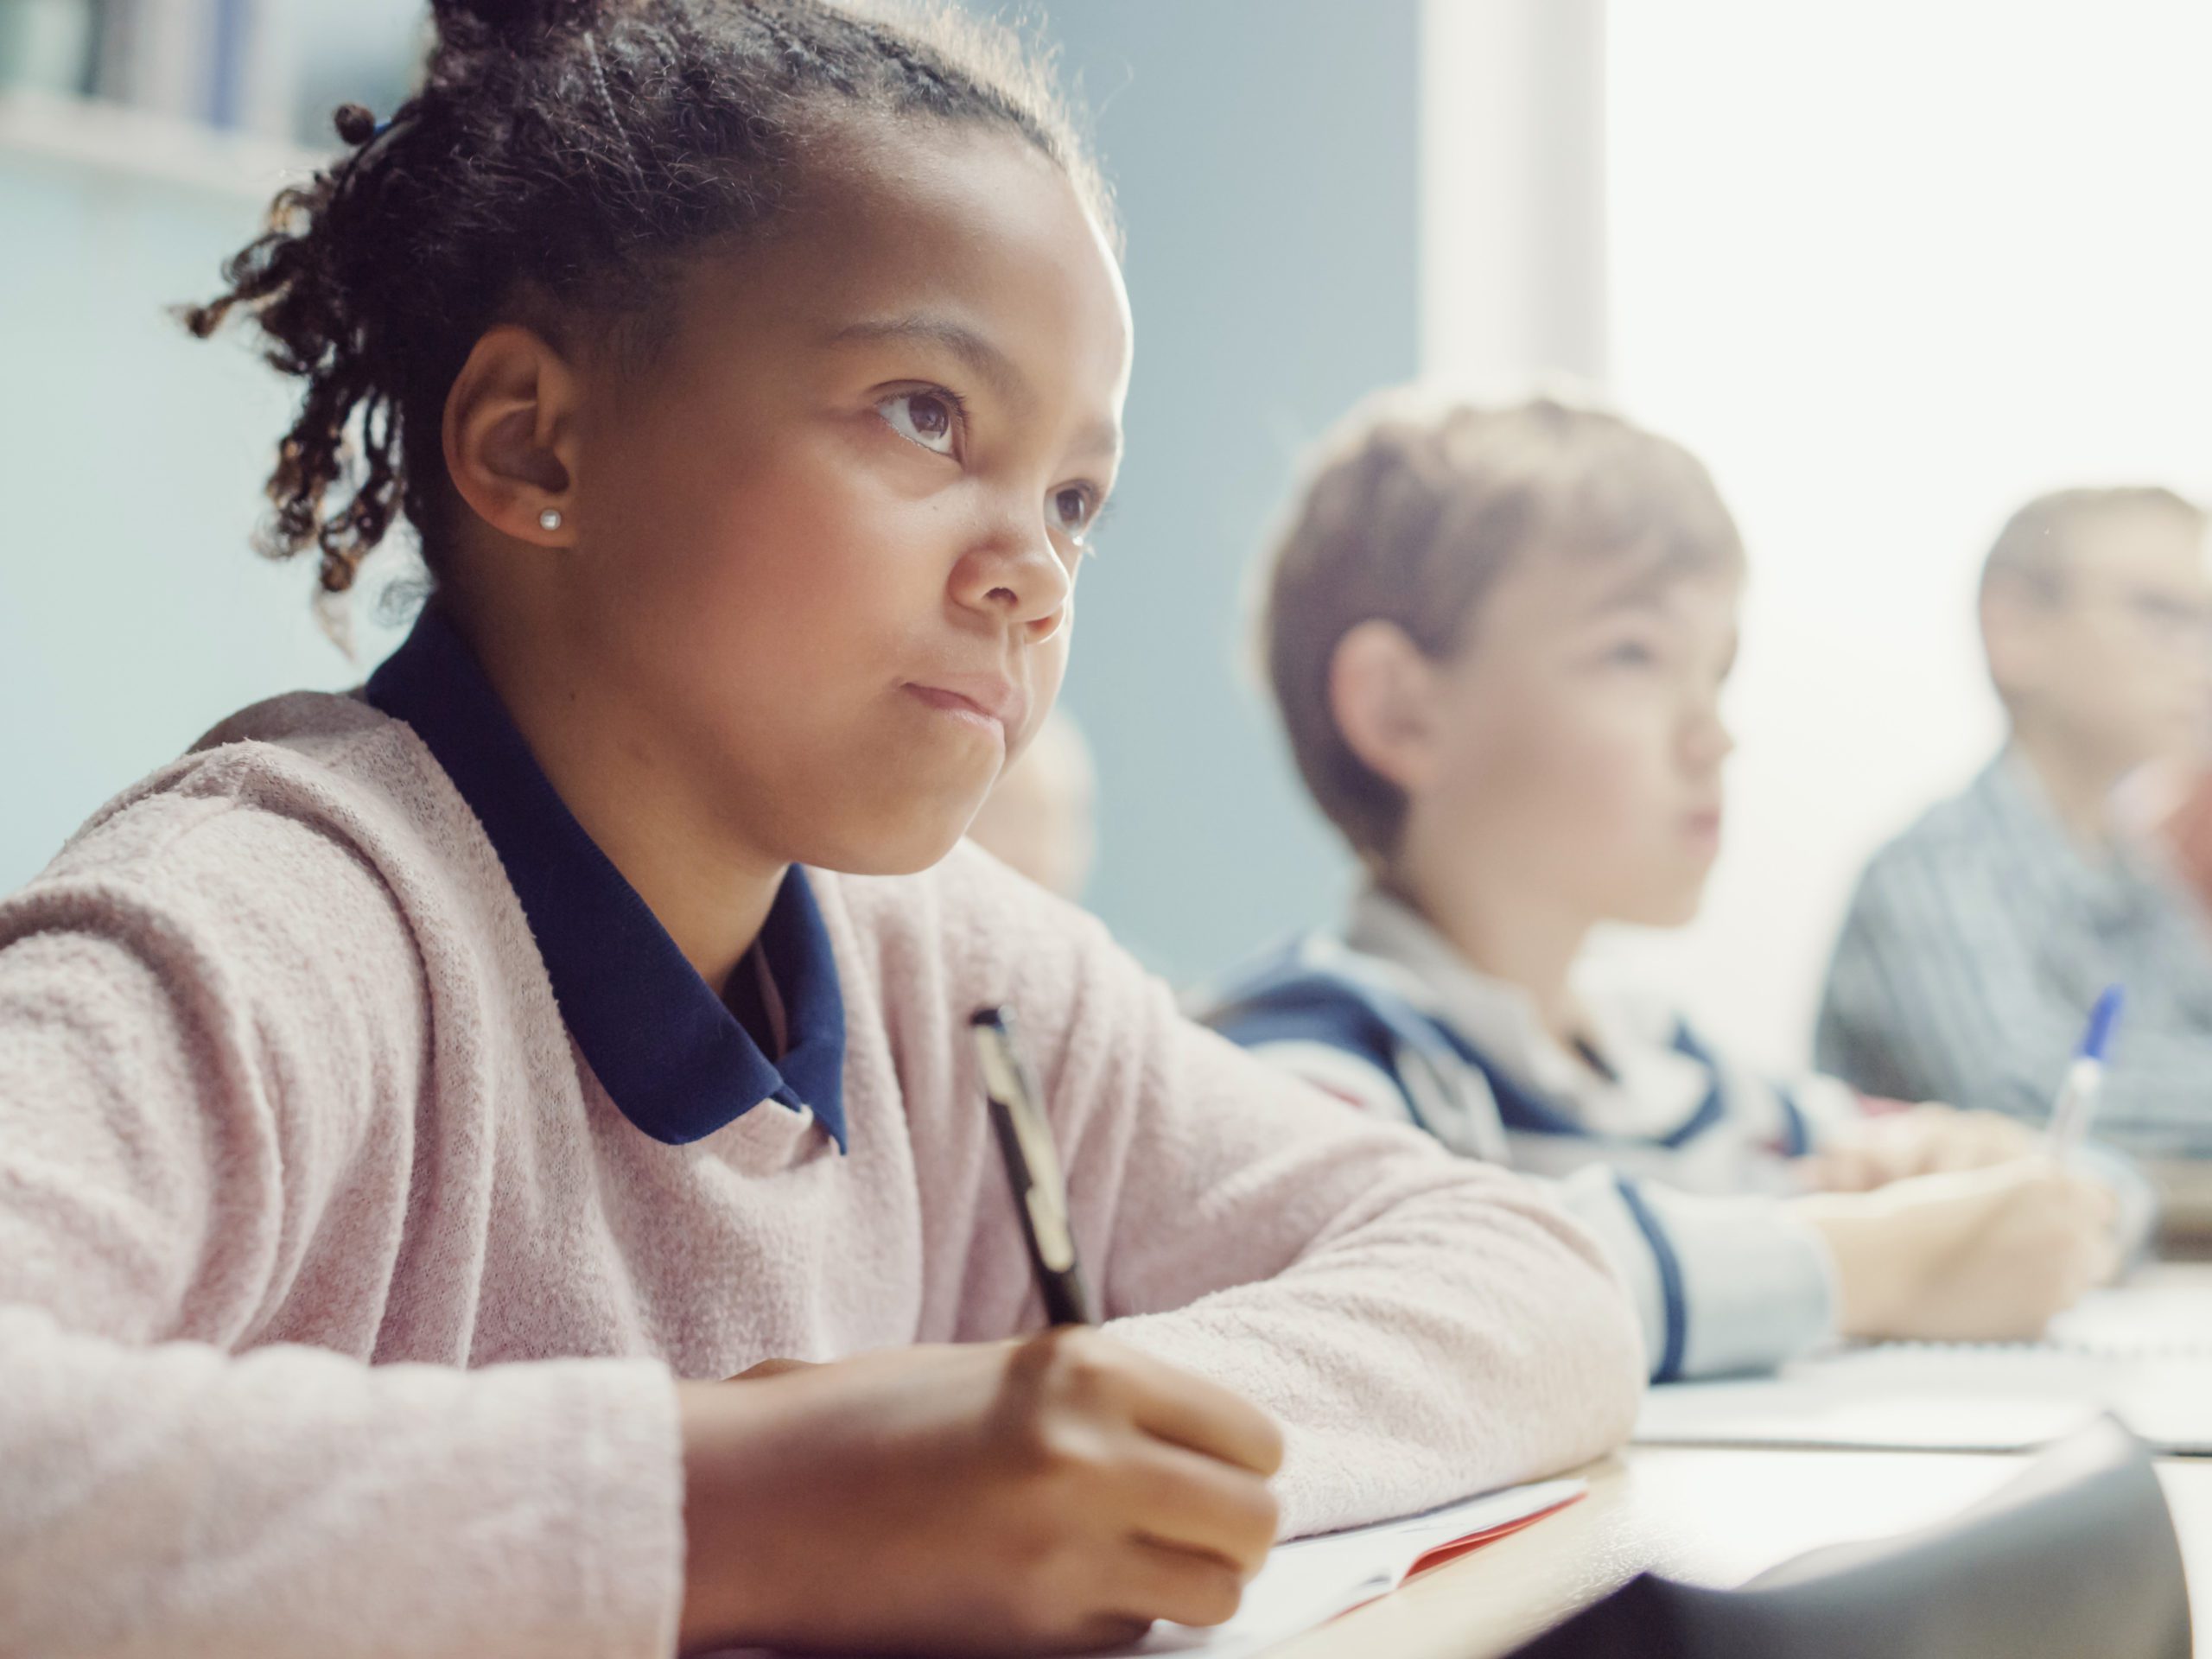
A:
(558, 159)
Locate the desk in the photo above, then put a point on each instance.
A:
(1708, 1516)
(1716, 1515)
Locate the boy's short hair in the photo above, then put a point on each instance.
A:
(2042, 539)
(1411, 511)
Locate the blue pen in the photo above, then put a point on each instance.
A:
(2077, 1096)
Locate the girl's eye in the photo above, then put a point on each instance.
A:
(930, 419)
(1075, 509)
(1631, 653)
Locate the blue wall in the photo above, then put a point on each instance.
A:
(132, 614)
(1264, 152)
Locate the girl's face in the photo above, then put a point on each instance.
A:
(1580, 741)
(826, 546)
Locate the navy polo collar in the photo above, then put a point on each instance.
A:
(665, 1044)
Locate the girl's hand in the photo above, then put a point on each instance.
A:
(768, 1368)
(1982, 1255)
(1054, 1493)
(1918, 1140)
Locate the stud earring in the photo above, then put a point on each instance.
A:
(549, 519)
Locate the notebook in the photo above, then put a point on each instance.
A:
(2144, 1353)
(1310, 1581)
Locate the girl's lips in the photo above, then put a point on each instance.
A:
(976, 710)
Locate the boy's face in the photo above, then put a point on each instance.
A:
(828, 544)
(1578, 742)
(2118, 664)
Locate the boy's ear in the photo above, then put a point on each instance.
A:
(1382, 693)
(2014, 628)
(510, 436)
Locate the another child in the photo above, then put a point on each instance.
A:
(412, 1102)
(1042, 816)
(1977, 939)
(1497, 637)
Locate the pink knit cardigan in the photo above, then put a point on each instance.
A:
(340, 1308)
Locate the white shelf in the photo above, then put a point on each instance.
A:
(117, 141)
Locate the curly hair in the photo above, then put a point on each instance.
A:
(556, 160)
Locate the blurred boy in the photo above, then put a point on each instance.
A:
(1498, 639)
(1978, 939)
(1041, 815)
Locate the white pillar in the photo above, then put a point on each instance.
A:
(1513, 190)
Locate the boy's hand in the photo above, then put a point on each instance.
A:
(1986, 1254)
(1059, 1493)
(1918, 1140)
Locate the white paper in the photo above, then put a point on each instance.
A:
(2142, 1353)
(1311, 1580)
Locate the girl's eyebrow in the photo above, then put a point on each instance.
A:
(981, 355)
(965, 343)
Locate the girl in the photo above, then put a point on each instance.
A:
(411, 1103)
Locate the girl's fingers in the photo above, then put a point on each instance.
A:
(768, 1368)
(1195, 1502)
(1189, 1411)
(1159, 1580)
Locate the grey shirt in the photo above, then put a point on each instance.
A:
(1974, 946)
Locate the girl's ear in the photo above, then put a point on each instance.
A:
(1383, 694)
(510, 436)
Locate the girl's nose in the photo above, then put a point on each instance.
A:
(1020, 578)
